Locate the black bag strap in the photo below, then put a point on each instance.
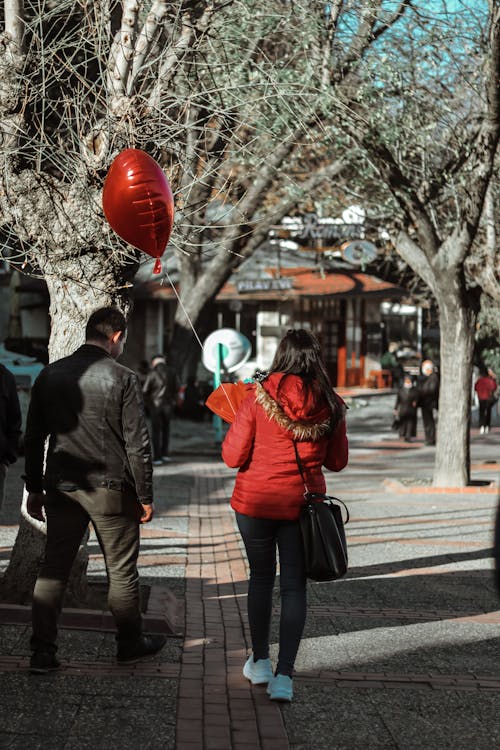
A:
(301, 467)
(311, 495)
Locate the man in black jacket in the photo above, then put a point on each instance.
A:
(98, 470)
(10, 425)
(428, 398)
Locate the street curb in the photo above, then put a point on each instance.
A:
(395, 485)
(160, 615)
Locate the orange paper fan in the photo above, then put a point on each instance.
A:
(226, 399)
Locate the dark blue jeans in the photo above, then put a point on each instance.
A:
(261, 536)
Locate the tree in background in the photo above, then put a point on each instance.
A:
(428, 120)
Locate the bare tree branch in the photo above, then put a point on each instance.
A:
(415, 257)
(482, 156)
(367, 35)
(14, 23)
(484, 264)
(122, 52)
(396, 16)
(218, 269)
(189, 31)
(401, 187)
(146, 40)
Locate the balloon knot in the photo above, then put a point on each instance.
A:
(157, 266)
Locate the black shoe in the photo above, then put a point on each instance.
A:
(42, 662)
(144, 646)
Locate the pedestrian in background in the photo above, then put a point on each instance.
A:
(160, 393)
(98, 470)
(10, 425)
(405, 409)
(295, 403)
(389, 361)
(142, 371)
(486, 389)
(428, 398)
(194, 404)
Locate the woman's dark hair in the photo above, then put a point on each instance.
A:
(299, 353)
(104, 322)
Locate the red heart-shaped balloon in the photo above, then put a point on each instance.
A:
(138, 202)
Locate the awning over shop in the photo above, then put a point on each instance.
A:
(291, 283)
(307, 282)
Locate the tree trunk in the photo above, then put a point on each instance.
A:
(19, 578)
(79, 287)
(457, 326)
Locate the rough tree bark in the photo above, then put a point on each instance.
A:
(77, 287)
(457, 328)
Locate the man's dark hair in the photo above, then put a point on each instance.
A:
(104, 322)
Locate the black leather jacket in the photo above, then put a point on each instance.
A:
(92, 410)
(428, 391)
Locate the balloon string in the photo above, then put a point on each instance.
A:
(184, 310)
(195, 334)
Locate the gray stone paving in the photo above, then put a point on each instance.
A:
(411, 605)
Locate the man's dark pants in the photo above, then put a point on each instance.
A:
(160, 429)
(429, 425)
(115, 517)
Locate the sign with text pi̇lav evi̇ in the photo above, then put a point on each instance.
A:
(264, 285)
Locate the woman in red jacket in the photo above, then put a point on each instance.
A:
(294, 403)
(486, 389)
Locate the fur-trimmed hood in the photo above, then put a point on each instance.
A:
(300, 409)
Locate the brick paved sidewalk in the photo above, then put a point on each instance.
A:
(401, 654)
(217, 707)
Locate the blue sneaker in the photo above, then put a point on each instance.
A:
(258, 672)
(281, 688)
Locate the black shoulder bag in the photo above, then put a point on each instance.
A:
(322, 528)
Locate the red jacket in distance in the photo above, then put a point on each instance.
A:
(485, 388)
(260, 444)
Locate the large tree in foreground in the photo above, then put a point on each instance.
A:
(79, 81)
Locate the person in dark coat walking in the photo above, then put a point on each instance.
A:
(405, 409)
(160, 392)
(97, 470)
(193, 406)
(294, 404)
(10, 425)
(428, 398)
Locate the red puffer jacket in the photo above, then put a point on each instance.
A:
(260, 444)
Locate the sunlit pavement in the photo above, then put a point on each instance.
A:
(401, 653)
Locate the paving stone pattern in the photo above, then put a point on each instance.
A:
(402, 653)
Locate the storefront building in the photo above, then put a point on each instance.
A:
(341, 306)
